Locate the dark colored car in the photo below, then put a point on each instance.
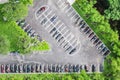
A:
(91, 34)
(93, 68)
(72, 51)
(33, 68)
(74, 68)
(25, 68)
(88, 31)
(15, 68)
(44, 21)
(49, 68)
(57, 36)
(93, 38)
(53, 68)
(106, 53)
(61, 68)
(37, 68)
(77, 68)
(28, 68)
(20, 68)
(53, 18)
(57, 68)
(86, 67)
(12, 68)
(81, 22)
(96, 41)
(52, 30)
(55, 33)
(70, 69)
(60, 39)
(99, 42)
(83, 26)
(7, 68)
(45, 68)
(104, 49)
(69, 48)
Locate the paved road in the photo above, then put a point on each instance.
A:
(87, 53)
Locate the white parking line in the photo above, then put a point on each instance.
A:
(67, 10)
(52, 16)
(74, 42)
(62, 5)
(49, 13)
(57, 22)
(60, 26)
(66, 7)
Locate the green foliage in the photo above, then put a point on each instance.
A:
(4, 44)
(102, 28)
(13, 11)
(113, 12)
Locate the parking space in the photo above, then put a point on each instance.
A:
(67, 33)
(51, 22)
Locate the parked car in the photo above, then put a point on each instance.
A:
(2, 68)
(61, 68)
(57, 68)
(72, 51)
(33, 68)
(93, 38)
(12, 68)
(53, 18)
(106, 53)
(28, 68)
(88, 31)
(25, 68)
(86, 67)
(66, 68)
(52, 30)
(20, 68)
(16, 68)
(70, 69)
(93, 68)
(91, 34)
(77, 68)
(37, 68)
(41, 10)
(43, 21)
(96, 41)
(99, 42)
(7, 68)
(53, 68)
(49, 68)
(58, 36)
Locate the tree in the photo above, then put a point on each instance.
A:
(13, 11)
(113, 12)
(4, 44)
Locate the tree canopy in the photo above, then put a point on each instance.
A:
(113, 12)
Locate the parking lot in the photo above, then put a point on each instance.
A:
(72, 41)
